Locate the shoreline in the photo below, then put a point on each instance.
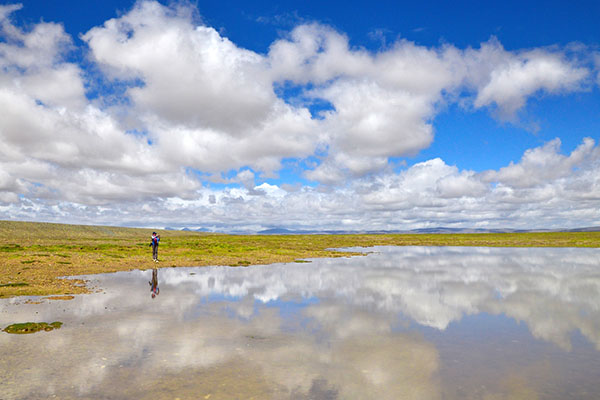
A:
(34, 255)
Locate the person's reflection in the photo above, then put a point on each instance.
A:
(154, 283)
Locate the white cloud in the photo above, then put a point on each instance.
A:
(427, 194)
(32, 62)
(382, 103)
(208, 103)
(521, 75)
(371, 121)
(56, 146)
(430, 184)
(545, 164)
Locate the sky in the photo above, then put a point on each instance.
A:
(239, 116)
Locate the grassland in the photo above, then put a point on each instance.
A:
(33, 256)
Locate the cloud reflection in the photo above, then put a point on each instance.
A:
(334, 328)
(555, 291)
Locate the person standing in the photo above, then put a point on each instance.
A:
(154, 244)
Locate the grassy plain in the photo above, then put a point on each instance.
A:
(33, 256)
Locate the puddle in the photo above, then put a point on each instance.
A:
(399, 323)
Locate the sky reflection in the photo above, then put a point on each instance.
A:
(402, 322)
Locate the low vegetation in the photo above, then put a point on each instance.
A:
(32, 327)
(34, 256)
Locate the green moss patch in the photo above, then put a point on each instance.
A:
(32, 327)
(10, 248)
(16, 284)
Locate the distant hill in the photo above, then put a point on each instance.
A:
(441, 229)
(588, 229)
(279, 231)
(187, 229)
(17, 229)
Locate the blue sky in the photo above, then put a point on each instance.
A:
(255, 25)
(240, 116)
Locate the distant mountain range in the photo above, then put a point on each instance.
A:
(285, 231)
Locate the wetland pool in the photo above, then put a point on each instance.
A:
(398, 323)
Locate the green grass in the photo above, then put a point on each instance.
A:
(32, 327)
(34, 255)
(16, 284)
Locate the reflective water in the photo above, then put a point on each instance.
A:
(399, 323)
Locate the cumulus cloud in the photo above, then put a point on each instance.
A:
(56, 145)
(207, 102)
(431, 193)
(508, 79)
(381, 103)
(182, 104)
(545, 164)
(32, 62)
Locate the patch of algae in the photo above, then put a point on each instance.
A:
(65, 297)
(32, 327)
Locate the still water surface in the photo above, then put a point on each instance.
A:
(399, 323)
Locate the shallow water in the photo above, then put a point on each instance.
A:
(399, 323)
